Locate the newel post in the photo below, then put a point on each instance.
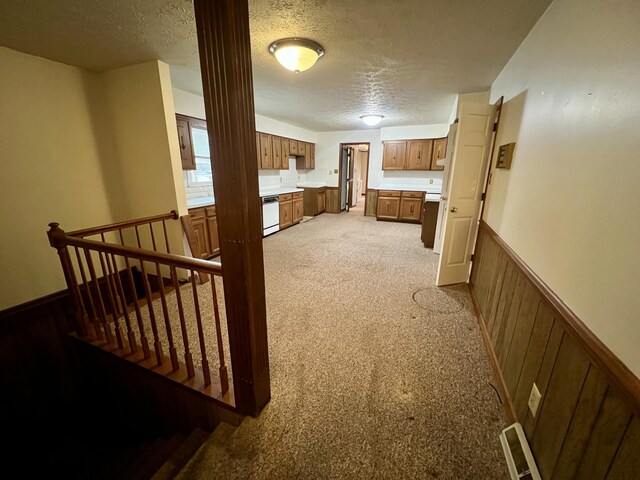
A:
(225, 63)
(57, 240)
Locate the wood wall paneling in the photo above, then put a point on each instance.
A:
(332, 200)
(371, 203)
(587, 424)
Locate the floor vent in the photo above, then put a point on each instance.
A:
(516, 450)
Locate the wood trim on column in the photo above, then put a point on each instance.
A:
(225, 63)
(617, 373)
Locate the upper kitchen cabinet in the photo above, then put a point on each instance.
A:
(266, 151)
(414, 154)
(394, 154)
(306, 158)
(439, 152)
(419, 154)
(184, 140)
(293, 147)
(276, 144)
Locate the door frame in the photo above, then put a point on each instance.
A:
(340, 179)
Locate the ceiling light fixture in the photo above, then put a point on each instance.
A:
(296, 54)
(372, 120)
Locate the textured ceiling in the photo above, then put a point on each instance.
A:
(405, 59)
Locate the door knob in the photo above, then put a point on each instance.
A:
(454, 209)
(443, 198)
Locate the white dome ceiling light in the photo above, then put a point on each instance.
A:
(372, 120)
(296, 54)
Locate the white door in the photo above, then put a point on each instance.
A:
(468, 171)
(444, 194)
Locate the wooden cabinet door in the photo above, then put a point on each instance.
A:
(393, 157)
(322, 202)
(298, 210)
(212, 224)
(201, 233)
(286, 151)
(439, 152)
(388, 208)
(313, 156)
(258, 151)
(286, 214)
(184, 141)
(276, 152)
(410, 209)
(307, 156)
(419, 157)
(293, 147)
(266, 151)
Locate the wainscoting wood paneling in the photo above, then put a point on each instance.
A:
(587, 424)
(333, 200)
(371, 203)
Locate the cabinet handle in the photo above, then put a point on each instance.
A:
(420, 154)
(388, 207)
(182, 145)
(411, 209)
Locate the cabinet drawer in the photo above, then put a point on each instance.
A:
(210, 211)
(285, 198)
(413, 194)
(389, 193)
(298, 195)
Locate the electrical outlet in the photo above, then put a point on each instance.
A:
(534, 400)
(431, 181)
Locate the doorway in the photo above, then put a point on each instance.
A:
(353, 175)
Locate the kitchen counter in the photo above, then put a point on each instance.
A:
(311, 184)
(410, 187)
(432, 197)
(206, 201)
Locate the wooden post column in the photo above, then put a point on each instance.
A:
(225, 63)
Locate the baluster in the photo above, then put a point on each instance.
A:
(157, 344)
(173, 354)
(114, 309)
(166, 237)
(130, 334)
(111, 281)
(95, 322)
(224, 376)
(203, 351)
(188, 359)
(57, 239)
(136, 305)
(102, 311)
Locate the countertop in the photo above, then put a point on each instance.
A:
(412, 187)
(206, 201)
(312, 184)
(432, 197)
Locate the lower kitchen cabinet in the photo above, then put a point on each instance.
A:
(315, 201)
(204, 231)
(429, 221)
(298, 207)
(399, 205)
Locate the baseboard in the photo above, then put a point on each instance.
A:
(507, 402)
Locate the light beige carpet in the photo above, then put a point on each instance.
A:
(376, 373)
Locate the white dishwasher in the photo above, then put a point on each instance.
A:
(270, 214)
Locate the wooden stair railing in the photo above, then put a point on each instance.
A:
(100, 280)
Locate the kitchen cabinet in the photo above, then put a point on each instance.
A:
(397, 205)
(286, 210)
(274, 152)
(410, 209)
(415, 154)
(204, 231)
(429, 221)
(393, 157)
(388, 205)
(315, 201)
(266, 151)
(184, 141)
(439, 152)
(298, 207)
(419, 157)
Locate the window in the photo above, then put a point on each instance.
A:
(202, 175)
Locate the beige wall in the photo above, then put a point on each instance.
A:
(570, 204)
(53, 142)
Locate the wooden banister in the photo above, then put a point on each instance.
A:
(85, 232)
(178, 261)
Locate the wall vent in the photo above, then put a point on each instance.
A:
(519, 458)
